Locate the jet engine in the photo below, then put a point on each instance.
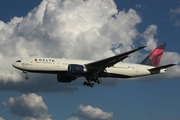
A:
(75, 70)
(65, 78)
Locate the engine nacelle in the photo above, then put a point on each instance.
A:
(74, 69)
(65, 78)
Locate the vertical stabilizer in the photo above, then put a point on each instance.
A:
(155, 56)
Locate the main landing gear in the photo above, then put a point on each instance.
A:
(27, 77)
(89, 80)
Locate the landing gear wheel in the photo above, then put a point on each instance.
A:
(27, 77)
(85, 83)
(92, 85)
(99, 81)
(95, 80)
(88, 84)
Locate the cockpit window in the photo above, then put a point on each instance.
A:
(18, 61)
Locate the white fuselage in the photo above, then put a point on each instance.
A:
(60, 66)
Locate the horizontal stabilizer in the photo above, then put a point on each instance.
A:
(161, 67)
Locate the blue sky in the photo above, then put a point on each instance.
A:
(152, 98)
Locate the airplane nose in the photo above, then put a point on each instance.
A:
(17, 64)
(13, 64)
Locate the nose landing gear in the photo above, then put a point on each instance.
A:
(27, 77)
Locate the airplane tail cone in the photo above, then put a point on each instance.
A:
(155, 56)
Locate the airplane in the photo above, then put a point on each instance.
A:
(68, 70)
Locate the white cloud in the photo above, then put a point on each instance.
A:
(73, 118)
(175, 16)
(30, 107)
(149, 35)
(41, 83)
(70, 29)
(91, 113)
(1, 118)
(168, 58)
(138, 6)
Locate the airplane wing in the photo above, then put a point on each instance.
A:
(108, 62)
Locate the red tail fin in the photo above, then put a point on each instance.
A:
(155, 56)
